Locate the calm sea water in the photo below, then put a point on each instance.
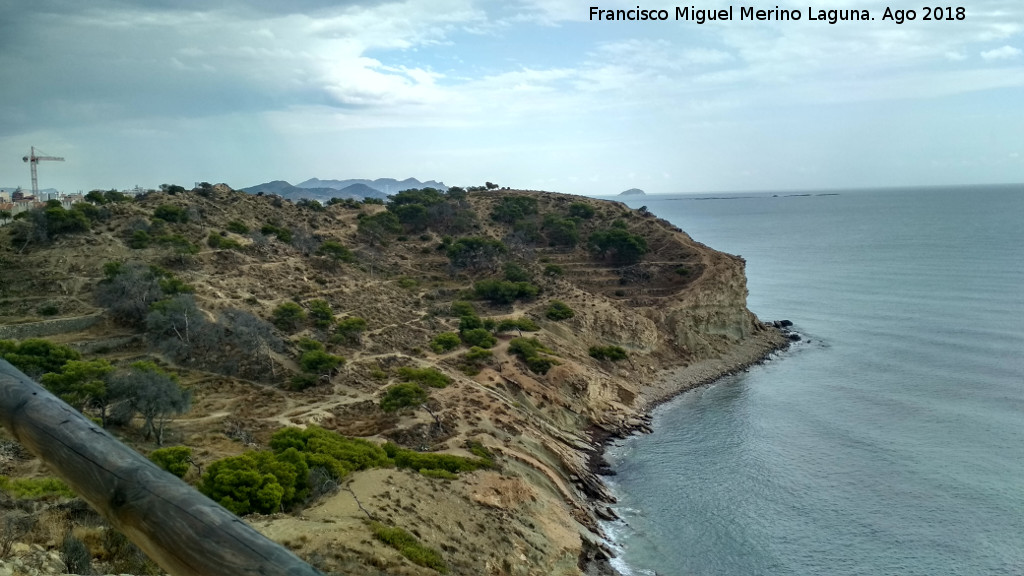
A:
(890, 443)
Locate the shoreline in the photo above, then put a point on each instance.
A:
(669, 384)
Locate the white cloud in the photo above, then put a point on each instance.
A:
(1004, 53)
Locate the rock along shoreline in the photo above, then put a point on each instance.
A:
(757, 349)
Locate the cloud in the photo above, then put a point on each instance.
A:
(1004, 53)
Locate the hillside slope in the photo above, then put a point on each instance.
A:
(676, 309)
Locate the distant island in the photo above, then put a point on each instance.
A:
(633, 192)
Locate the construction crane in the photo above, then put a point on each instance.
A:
(33, 160)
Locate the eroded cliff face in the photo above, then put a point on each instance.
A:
(675, 341)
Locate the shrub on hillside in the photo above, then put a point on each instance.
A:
(558, 310)
(288, 316)
(335, 250)
(533, 353)
(404, 395)
(475, 253)
(36, 356)
(503, 291)
(171, 213)
(175, 459)
(618, 244)
(514, 208)
(480, 337)
(408, 546)
(444, 342)
(425, 376)
(613, 353)
(257, 481)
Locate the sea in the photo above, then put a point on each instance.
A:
(890, 439)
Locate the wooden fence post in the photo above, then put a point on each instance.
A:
(183, 531)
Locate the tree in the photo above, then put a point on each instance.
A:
(36, 356)
(288, 316)
(153, 393)
(171, 213)
(321, 313)
(581, 210)
(174, 459)
(175, 322)
(349, 330)
(320, 362)
(82, 384)
(558, 310)
(479, 337)
(561, 231)
(335, 250)
(475, 253)
(257, 481)
(514, 208)
(404, 395)
(377, 227)
(619, 244)
(128, 291)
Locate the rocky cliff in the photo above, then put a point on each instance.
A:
(675, 311)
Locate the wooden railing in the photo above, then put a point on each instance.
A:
(183, 531)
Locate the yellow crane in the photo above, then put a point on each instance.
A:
(33, 161)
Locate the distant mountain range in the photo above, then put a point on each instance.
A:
(633, 192)
(324, 190)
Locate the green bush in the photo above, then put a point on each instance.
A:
(613, 353)
(445, 342)
(462, 308)
(516, 273)
(218, 242)
(35, 488)
(618, 244)
(349, 330)
(288, 316)
(257, 481)
(470, 323)
(503, 291)
(174, 459)
(283, 234)
(299, 382)
(561, 231)
(178, 243)
(553, 270)
(533, 353)
(404, 395)
(514, 208)
(335, 250)
(237, 227)
(36, 356)
(319, 362)
(140, 239)
(403, 458)
(171, 213)
(558, 310)
(431, 377)
(439, 474)
(475, 252)
(336, 454)
(378, 227)
(321, 313)
(409, 546)
(522, 323)
(478, 337)
(581, 210)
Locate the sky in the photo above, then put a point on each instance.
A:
(525, 93)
